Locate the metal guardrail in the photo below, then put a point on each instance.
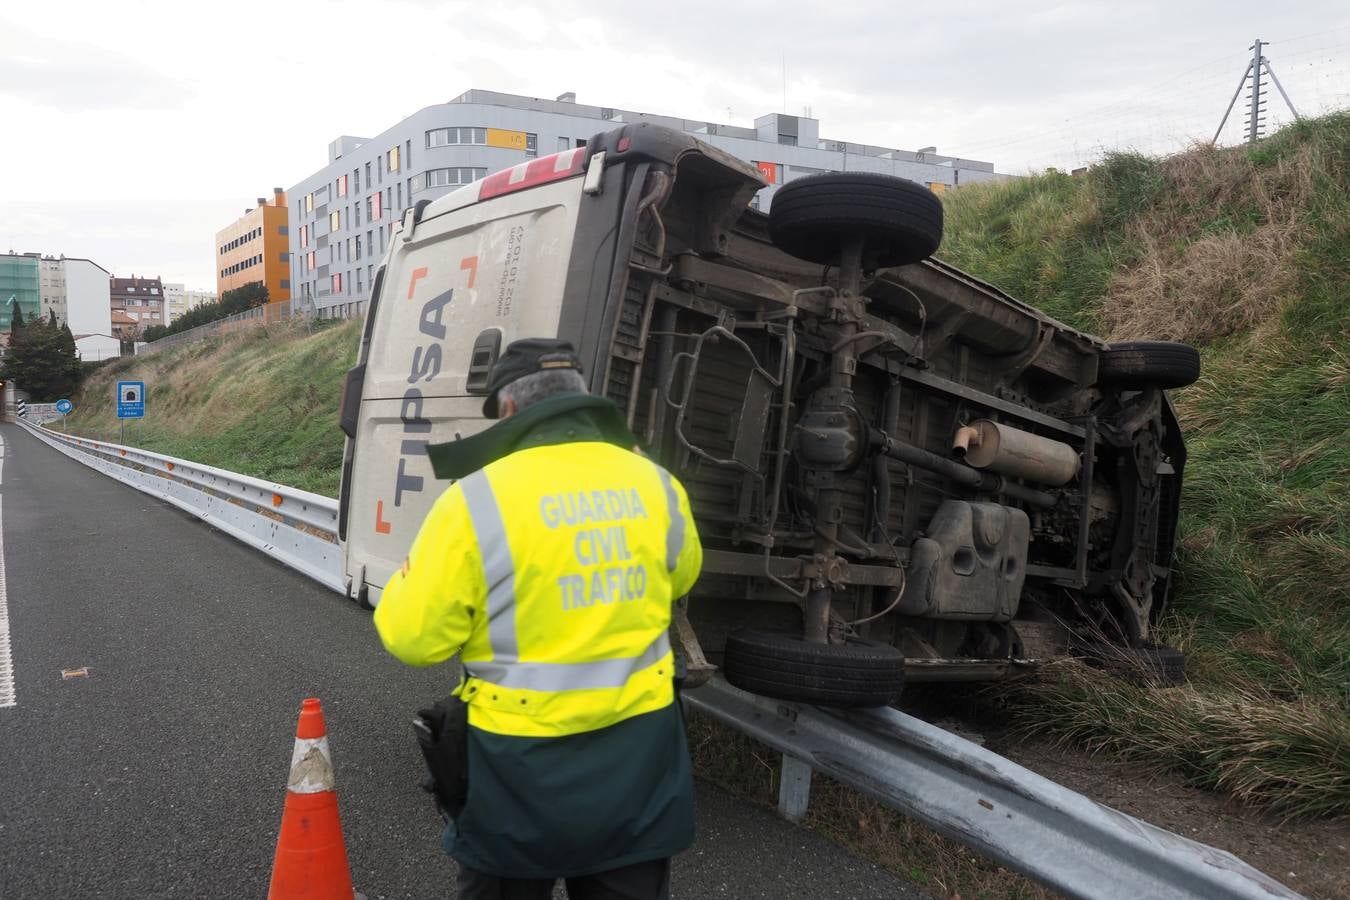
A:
(990, 804)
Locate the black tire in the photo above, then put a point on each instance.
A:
(854, 674)
(900, 221)
(1152, 664)
(1141, 364)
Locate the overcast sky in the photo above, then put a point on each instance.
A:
(131, 132)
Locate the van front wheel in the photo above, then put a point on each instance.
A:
(857, 673)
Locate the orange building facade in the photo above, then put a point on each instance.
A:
(256, 247)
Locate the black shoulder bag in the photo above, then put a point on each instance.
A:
(443, 735)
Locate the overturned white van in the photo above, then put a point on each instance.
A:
(897, 470)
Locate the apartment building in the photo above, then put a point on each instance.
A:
(20, 287)
(342, 215)
(136, 304)
(77, 291)
(178, 299)
(256, 247)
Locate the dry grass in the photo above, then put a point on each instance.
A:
(1285, 754)
(1216, 254)
(1245, 252)
(913, 851)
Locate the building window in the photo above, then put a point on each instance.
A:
(356, 180)
(564, 144)
(359, 287)
(399, 186)
(285, 284)
(358, 253)
(283, 229)
(304, 235)
(349, 248)
(391, 158)
(309, 202)
(441, 137)
(407, 153)
(285, 257)
(342, 186)
(787, 140)
(447, 177)
(531, 144)
(356, 223)
(375, 206)
(337, 283)
(310, 260)
(335, 220)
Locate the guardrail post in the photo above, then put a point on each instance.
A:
(794, 788)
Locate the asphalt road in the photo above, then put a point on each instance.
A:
(162, 772)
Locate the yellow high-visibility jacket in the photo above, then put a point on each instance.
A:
(552, 572)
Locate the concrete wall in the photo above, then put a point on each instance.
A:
(95, 347)
(87, 307)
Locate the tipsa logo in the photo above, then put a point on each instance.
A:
(424, 365)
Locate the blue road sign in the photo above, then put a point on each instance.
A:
(131, 399)
(63, 406)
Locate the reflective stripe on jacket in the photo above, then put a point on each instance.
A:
(552, 572)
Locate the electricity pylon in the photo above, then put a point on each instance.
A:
(1256, 114)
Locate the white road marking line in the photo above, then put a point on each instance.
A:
(8, 697)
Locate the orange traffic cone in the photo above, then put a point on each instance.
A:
(311, 860)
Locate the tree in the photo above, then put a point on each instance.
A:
(16, 320)
(232, 302)
(42, 358)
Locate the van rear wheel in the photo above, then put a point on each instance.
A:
(900, 221)
(1143, 364)
(857, 673)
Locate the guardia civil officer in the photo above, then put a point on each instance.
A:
(551, 567)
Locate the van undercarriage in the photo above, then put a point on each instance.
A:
(900, 455)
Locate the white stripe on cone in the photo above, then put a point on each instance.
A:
(311, 767)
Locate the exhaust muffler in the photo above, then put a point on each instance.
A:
(984, 444)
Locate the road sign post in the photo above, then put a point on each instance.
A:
(130, 403)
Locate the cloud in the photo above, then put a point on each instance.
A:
(76, 77)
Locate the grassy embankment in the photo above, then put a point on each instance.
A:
(263, 402)
(1244, 252)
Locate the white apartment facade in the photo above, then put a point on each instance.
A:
(341, 216)
(178, 300)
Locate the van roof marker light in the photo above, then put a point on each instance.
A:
(534, 173)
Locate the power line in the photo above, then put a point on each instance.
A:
(1101, 112)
